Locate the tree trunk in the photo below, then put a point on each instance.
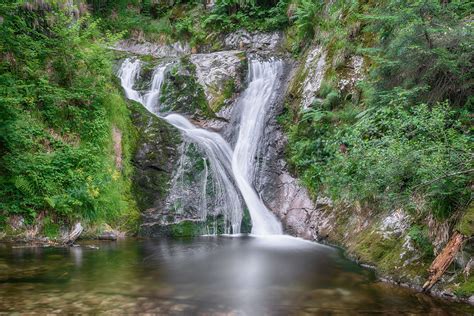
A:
(444, 259)
(73, 235)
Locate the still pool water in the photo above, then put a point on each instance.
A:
(202, 276)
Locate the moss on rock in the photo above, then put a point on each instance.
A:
(182, 93)
(154, 158)
(466, 224)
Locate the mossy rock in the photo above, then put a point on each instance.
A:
(220, 99)
(466, 288)
(182, 93)
(155, 156)
(466, 224)
(186, 229)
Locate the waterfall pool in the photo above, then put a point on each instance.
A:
(226, 275)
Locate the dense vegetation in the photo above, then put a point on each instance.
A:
(58, 110)
(166, 21)
(401, 138)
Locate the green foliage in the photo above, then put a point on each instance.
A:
(307, 18)
(466, 224)
(426, 48)
(57, 110)
(229, 15)
(408, 136)
(50, 228)
(388, 155)
(420, 238)
(188, 20)
(466, 289)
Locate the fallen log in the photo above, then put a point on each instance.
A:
(73, 235)
(444, 259)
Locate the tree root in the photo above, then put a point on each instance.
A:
(73, 235)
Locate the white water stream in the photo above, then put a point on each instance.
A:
(223, 162)
(263, 78)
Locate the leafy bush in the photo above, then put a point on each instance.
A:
(229, 15)
(308, 17)
(425, 48)
(406, 134)
(388, 155)
(57, 110)
(419, 236)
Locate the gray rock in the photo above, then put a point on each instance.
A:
(153, 49)
(315, 66)
(354, 75)
(108, 235)
(215, 70)
(395, 224)
(244, 40)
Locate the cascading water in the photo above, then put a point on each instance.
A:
(217, 151)
(128, 73)
(263, 77)
(221, 160)
(219, 154)
(151, 99)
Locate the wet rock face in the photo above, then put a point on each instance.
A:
(281, 192)
(315, 66)
(154, 159)
(220, 74)
(182, 93)
(167, 210)
(256, 41)
(154, 49)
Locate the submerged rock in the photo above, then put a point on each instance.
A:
(107, 235)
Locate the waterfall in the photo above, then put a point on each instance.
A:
(204, 190)
(217, 151)
(224, 164)
(219, 154)
(128, 73)
(263, 77)
(151, 99)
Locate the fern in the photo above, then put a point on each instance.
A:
(24, 186)
(307, 18)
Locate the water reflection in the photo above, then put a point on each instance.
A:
(207, 275)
